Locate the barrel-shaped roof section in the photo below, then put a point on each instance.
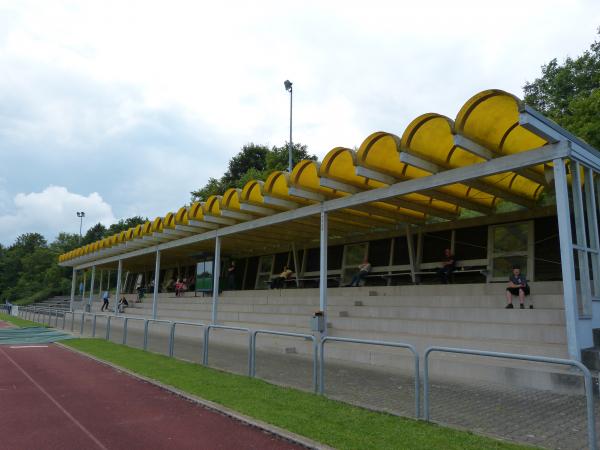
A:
(486, 127)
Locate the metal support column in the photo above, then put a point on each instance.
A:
(156, 283)
(90, 299)
(216, 275)
(296, 266)
(84, 283)
(73, 284)
(563, 212)
(592, 221)
(100, 284)
(323, 271)
(411, 253)
(118, 290)
(582, 243)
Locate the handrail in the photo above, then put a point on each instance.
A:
(252, 368)
(172, 335)
(222, 327)
(147, 323)
(370, 342)
(542, 359)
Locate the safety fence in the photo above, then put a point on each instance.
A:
(46, 315)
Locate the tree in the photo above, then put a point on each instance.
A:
(569, 93)
(125, 224)
(253, 162)
(94, 234)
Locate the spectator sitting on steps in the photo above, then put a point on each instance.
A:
(280, 280)
(517, 285)
(363, 271)
(123, 303)
(448, 266)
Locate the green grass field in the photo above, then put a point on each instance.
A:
(20, 322)
(327, 421)
(330, 422)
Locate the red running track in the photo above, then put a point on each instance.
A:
(53, 398)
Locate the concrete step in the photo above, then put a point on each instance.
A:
(546, 287)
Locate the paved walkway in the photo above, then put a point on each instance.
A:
(53, 398)
(535, 417)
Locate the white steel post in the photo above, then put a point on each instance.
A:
(216, 275)
(584, 265)
(73, 283)
(592, 217)
(89, 305)
(84, 283)
(100, 284)
(156, 282)
(296, 266)
(566, 256)
(411, 254)
(118, 290)
(323, 271)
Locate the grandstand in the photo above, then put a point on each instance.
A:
(500, 185)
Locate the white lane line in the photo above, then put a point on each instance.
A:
(28, 346)
(53, 400)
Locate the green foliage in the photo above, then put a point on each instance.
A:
(331, 422)
(29, 271)
(125, 224)
(22, 323)
(569, 94)
(253, 162)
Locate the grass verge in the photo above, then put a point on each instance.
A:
(20, 322)
(328, 421)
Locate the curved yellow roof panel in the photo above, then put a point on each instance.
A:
(181, 217)
(379, 151)
(305, 175)
(340, 164)
(130, 233)
(252, 192)
(431, 137)
(137, 231)
(122, 236)
(169, 221)
(277, 184)
(232, 199)
(195, 212)
(212, 205)
(491, 118)
(147, 228)
(113, 240)
(157, 225)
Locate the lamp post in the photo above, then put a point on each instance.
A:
(81, 215)
(288, 87)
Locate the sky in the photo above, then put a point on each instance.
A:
(122, 108)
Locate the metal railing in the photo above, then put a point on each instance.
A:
(224, 327)
(147, 324)
(172, 335)
(310, 337)
(541, 359)
(371, 342)
(125, 327)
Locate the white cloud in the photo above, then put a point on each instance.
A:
(143, 101)
(51, 211)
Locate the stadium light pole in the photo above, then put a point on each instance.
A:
(81, 215)
(288, 87)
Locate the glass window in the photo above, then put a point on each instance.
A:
(353, 257)
(434, 244)
(512, 245)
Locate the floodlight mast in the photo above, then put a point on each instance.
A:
(288, 87)
(81, 215)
